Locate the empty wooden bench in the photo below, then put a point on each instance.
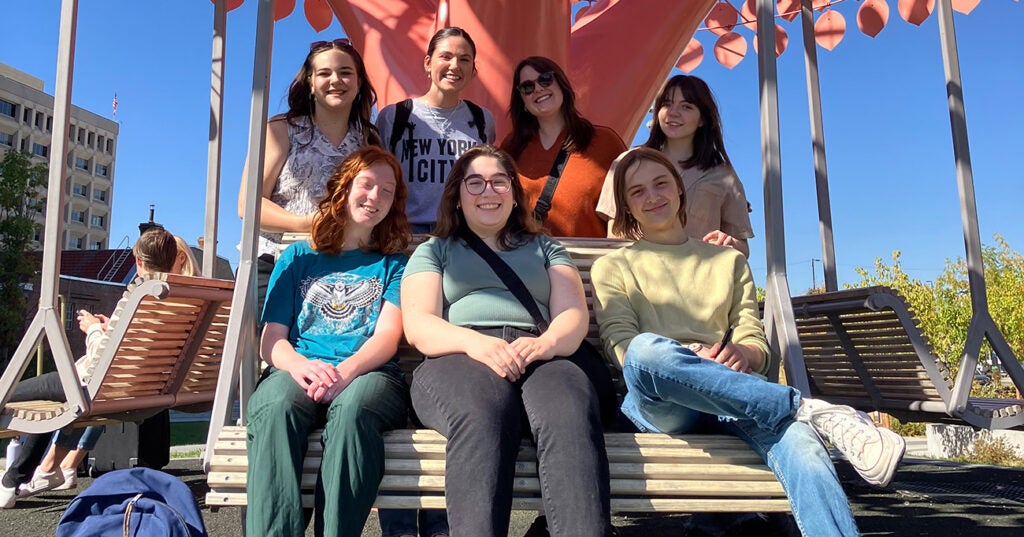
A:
(162, 349)
(649, 472)
(864, 348)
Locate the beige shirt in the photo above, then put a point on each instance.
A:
(715, 200)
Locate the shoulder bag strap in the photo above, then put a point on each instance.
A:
(540, 211)
(508, 277)
(403, 111)
(478, 119)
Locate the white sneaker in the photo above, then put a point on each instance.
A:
(70, 480)
(41, 482)
(874, 453)
(7, 497)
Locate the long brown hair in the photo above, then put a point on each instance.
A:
(391, 236)
(520, 227)
(625, 225)
(525, 125)
(301, 103)
(708, 143)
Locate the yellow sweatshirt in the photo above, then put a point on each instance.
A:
(690, 292)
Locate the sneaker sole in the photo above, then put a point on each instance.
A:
(883, 475)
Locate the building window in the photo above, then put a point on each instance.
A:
(99, 142)
(102, 170)
(40, 150)
(40, 119)
(38, 235)
(97, 221)
(81, 164)
(77, 243)
(81, 135)
(96, 245)
(8, 109)
(26, 118)
(6, 139)
(78, 216)
(80, 190)
(92, 139)
(110, 146)
(71, 134)
(71, 316)
(99, 195)
(49, 123)
(24, 144)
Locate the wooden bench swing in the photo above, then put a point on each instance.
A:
(162, 349)
(650, 472)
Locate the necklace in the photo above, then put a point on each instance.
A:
(443, 122)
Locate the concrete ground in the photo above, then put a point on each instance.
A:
(926, 498)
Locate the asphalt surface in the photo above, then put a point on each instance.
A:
(926, 498)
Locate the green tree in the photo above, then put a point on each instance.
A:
(21, 184)
(943, 307)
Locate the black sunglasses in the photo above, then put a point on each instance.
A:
(544, 79)
(340, 43)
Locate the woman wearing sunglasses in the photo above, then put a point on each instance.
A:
(329, 106)
(492, 369)
(545, 123)
(428, 133)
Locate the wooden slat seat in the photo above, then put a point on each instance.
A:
(864, 348)
(162, 350)
(649, 472)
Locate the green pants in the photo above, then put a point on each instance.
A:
(281, 416)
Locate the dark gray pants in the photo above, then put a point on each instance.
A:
(482, 416)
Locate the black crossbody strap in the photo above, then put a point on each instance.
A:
(403, 111)
(508, 277)
(540, 211)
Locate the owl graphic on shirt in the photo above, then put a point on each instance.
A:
(339, 303)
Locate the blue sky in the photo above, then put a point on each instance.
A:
(887, 129)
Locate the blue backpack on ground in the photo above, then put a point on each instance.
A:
(136, 502)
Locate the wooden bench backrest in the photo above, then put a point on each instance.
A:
(853, 351)
(171, 346)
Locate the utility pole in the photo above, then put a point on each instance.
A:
(814, 279)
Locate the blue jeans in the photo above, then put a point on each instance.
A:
(672, 390)
(84, 439)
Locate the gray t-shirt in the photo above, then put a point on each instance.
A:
(474, 295)
(439, 137)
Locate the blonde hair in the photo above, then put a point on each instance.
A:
(189, 265)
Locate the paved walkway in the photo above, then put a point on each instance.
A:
(926, 498)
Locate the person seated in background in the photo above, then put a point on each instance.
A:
(155, 251)
(681, 318)
(70, 448)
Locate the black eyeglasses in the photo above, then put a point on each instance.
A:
(544, 79)
(476, 184)
(340, 43)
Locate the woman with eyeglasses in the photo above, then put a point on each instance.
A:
(492, 369)
(546, 126)
(688, 130)
(329, 106)
(428, 133)
(331, 333)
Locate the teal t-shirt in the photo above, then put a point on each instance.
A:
(331, 302)
(474, 295)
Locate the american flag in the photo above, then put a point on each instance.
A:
(114, 104)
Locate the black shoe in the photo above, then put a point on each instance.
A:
(539, 528)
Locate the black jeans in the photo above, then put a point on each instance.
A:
(482, 416)
(33, 446)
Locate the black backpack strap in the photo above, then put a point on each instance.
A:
(478, 119)
(508, 277)
(403, 111)
(540, 211)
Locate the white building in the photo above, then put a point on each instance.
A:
(26, 123)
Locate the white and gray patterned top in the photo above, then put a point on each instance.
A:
(312, 160)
